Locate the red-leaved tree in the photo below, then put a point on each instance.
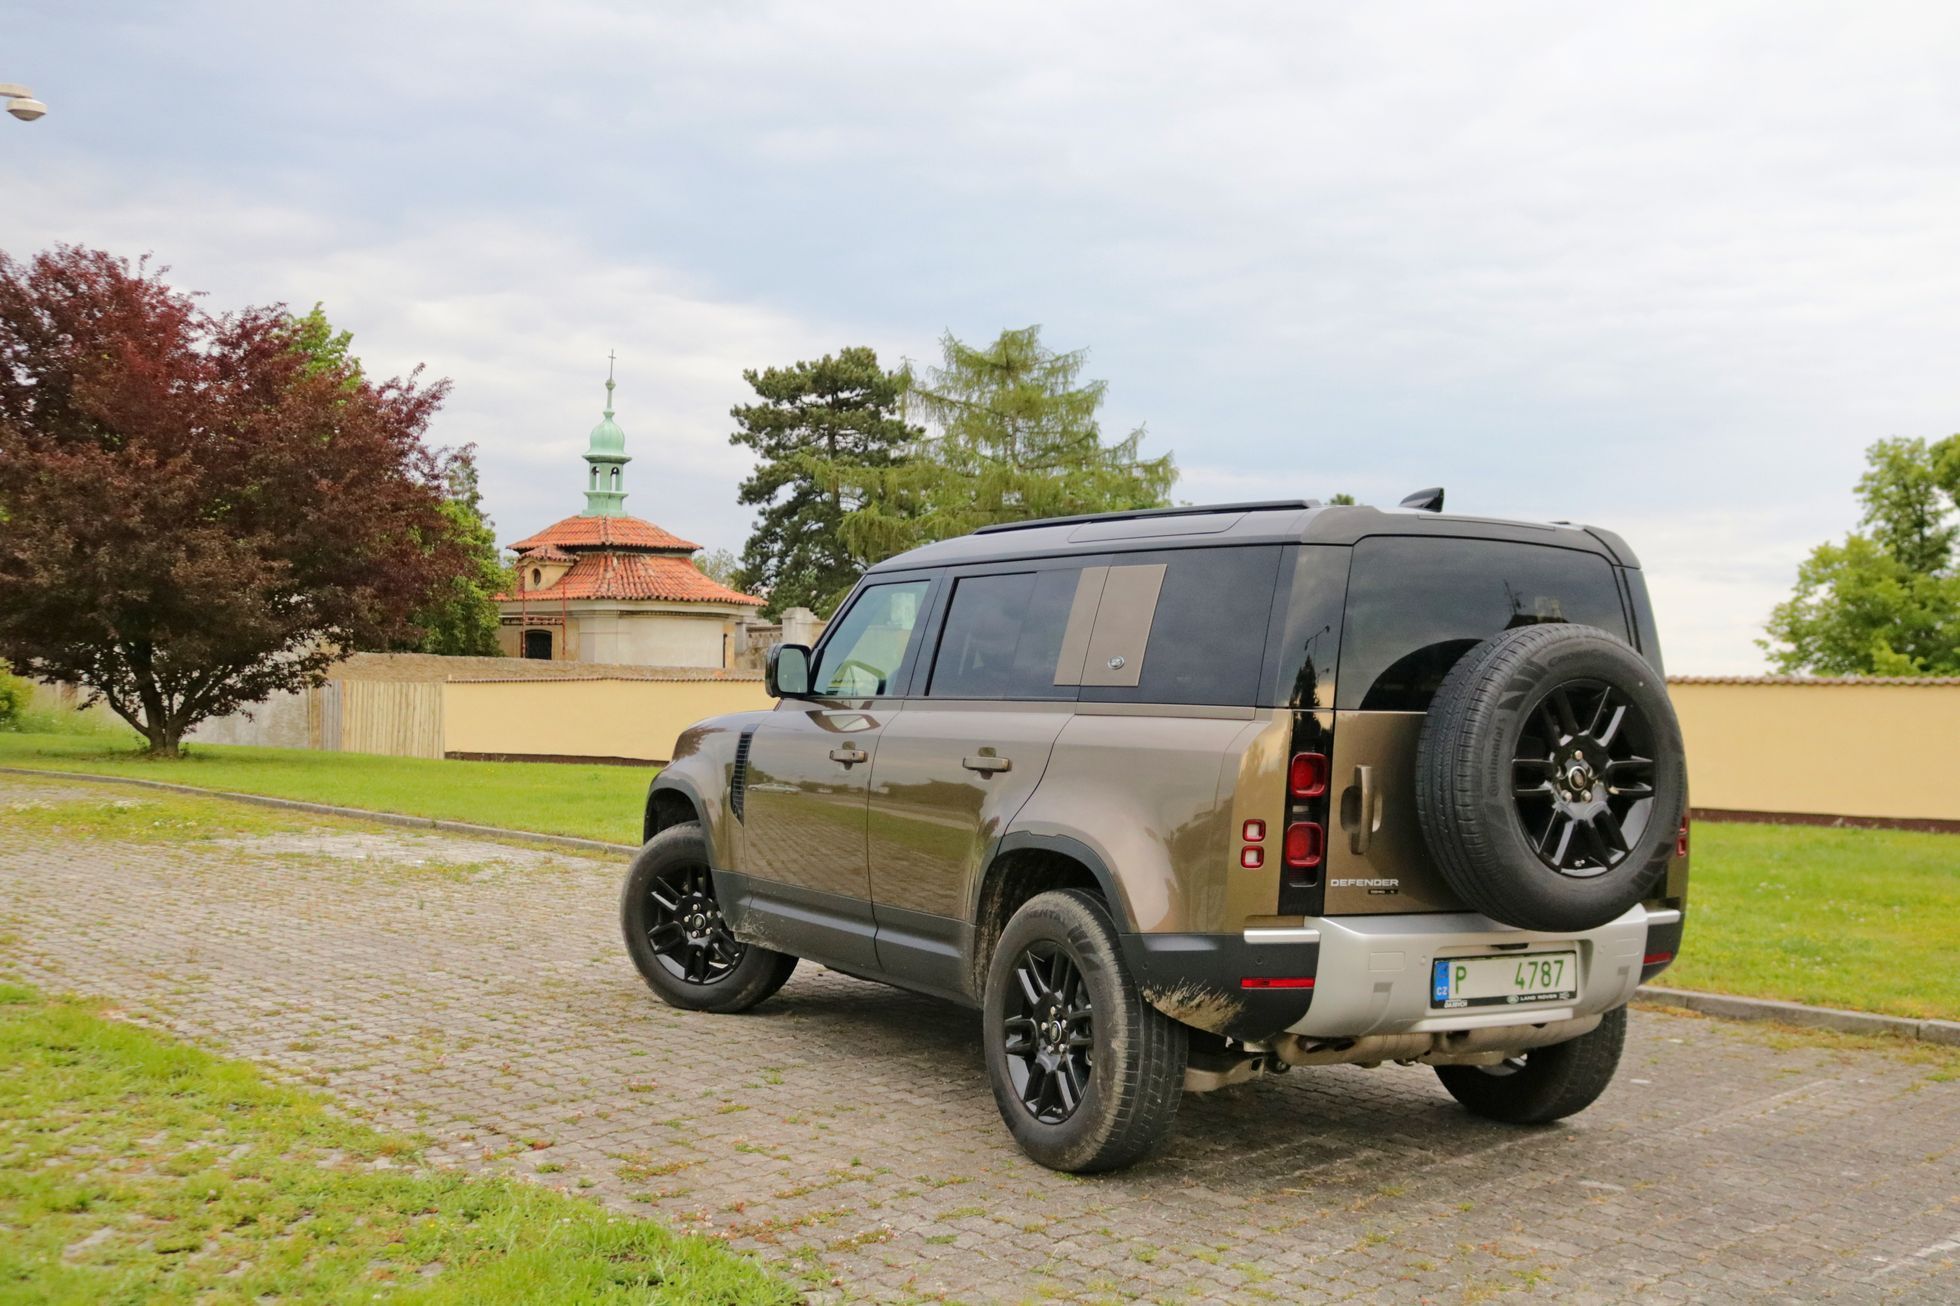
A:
(195, 511)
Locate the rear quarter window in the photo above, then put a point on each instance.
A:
(1416, 605)
(1208, 632)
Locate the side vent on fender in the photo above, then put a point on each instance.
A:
(738, 780)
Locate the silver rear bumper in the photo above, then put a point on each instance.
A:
(1374, 972)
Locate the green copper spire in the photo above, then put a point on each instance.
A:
(605, 495)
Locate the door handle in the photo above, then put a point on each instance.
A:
(985, 765)
(1361, 810)
(849, 755)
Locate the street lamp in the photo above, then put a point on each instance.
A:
(21, 102)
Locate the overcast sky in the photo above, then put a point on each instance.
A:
(1665, 268)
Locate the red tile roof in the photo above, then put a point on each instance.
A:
(606, 533)
(635, 576)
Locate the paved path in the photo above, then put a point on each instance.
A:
(478, 992)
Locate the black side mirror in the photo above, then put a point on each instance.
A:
(788, 674)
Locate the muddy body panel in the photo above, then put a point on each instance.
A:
(1210, 718)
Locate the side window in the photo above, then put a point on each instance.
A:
(1003, 636)
(868, 644)
(1308, 626)
(1182, 626)
(1416, 605)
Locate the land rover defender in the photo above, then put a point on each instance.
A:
(1184, 796)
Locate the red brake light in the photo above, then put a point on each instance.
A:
(1253, 831)
(1681, 839)
(1307, 776)
(1252, 858)
(1276, 982)
(1305, 842)
(1656, 958)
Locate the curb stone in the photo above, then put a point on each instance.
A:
(1943, 1032)
(327, 809)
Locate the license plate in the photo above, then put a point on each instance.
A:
(1520, 979)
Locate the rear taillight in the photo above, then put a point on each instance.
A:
(1681, 839)
(1306, 842)
(1276, 982)
(1657, 959)
(1307, 776)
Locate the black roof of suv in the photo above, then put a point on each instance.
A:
(1291, 522)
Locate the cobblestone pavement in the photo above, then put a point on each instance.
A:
(478, 992)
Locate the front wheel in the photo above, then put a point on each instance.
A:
(1087, 1074)
(677, 938)
(1541, 1085)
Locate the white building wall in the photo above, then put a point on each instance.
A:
(652, 639)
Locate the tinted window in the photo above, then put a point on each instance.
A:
(1643, 616)
(1003, 636)
(1415, 606)
(868, 643)
(1308, 627)
(1208, 635)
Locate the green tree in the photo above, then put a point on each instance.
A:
(463, 618)
(328, 351)
(1342, 498)
(1887, 600)
(720, 565)
(15, 694)
(1015, 437)
(817, 429)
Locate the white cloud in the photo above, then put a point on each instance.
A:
(1668, 269)
(518, 316)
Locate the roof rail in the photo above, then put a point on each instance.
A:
(1196, 510)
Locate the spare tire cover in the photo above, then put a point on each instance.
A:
(1550, 778)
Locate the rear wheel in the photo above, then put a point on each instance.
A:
(1087, 1074)
(1544, 1084)
(677, 937)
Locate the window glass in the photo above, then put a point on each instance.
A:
(868, 643)
(1414, 606)
(1309, 627)
(1208, 634)
(1003, 636)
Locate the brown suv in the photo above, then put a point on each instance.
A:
(1185, 796)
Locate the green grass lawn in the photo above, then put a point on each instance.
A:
(1868, 919)
(137, 1169)
(595, 802)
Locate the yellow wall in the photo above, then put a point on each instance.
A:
(586, 718)
(1828, 749)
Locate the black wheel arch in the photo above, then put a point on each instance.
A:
(1023, 864)
(671, 800)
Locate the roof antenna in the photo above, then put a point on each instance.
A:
(1429, 500)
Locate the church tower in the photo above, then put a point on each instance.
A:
(606, 459)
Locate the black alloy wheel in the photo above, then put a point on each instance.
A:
(677, 936)
(1583, 777)
(685, 929)
(1049, 1031)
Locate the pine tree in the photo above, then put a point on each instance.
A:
(822, 434)
(1015, 437)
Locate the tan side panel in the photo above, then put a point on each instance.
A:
(1081, 624)
(1129, 605)
(1393, 872)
